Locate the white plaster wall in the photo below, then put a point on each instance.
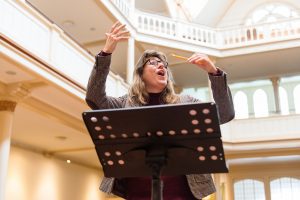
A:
(32, 176)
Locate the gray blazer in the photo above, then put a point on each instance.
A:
(200, 185)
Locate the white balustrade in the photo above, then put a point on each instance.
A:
(262, 129)
(123, 6)
(269, 32)
(218, 38)
(168, 28)
(33, 32)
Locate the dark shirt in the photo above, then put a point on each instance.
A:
(174, 187)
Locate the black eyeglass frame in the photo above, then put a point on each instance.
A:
(165, 63)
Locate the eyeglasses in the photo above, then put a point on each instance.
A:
(155, 62)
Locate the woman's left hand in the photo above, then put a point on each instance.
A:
(203, 62)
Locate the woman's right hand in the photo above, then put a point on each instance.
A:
(117, 33)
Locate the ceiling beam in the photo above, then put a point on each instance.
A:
(55, 114)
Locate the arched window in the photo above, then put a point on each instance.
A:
(249, 189)
(297, 98)
(240, 105)
(260, 101)
(284, 104)
(285, 188)
(271, 12)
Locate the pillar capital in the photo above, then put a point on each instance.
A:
(275, 80)
(15, 92)
(6, 105)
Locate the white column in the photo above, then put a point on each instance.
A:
(228, 187)
(217, 181)
(6, 119)
(214, 60)
(130, 60)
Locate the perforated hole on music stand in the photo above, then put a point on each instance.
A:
(112, 136)
(101, 137)
(118, 153)
(110, 162)
(206, 111)
(159, 133)
(107, 154)
(201, 158)
(193, 112)
(197, 131)
(94, 119)
(124, 135)
(200, 148)
(207, 121)
(212, 148)
(184, 132)
(105, 118)
(108, 127)
(136, 135)
(209, 130)
(214, 157)
(171, 132)
(121, 162)
(97, 128)
(195, 122)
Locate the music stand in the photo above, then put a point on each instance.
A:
(158, 140)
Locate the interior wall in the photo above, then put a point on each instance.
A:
(240, 10)
(32, 176)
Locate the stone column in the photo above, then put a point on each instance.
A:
(130, 60)
(228, 187)
(275, 83)
(224, 187)
(217, 181)
(7, 108)
(10, 95)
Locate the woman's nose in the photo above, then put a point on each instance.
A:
(160, 65)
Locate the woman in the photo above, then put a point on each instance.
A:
(152, 86)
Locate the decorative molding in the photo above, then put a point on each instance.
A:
(15, 92)
(7, 105)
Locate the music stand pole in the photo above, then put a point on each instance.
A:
(156, 158)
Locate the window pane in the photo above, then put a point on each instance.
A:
(249, 190)
(240, 105)
(285, 188)
(271, 12)
(284, 104)
(297, 98)
(260, 101)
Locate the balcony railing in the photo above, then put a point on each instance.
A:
(262, 129)
(168, 28)
(210, 37)
(26, 27)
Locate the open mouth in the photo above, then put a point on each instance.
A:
(161, 73)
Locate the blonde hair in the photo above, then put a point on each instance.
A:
(137, 92)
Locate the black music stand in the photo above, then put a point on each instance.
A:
(159, 140)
